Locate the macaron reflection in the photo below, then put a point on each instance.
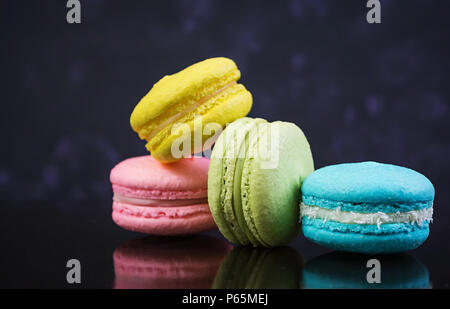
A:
(168, 263)
(260, 268)
(341, 270)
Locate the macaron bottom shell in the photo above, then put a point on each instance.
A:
(369, 239)
(184, 220)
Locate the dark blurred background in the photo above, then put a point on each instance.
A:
(359, 91)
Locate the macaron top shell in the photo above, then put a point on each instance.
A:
(187, 178)
(368, 182)
(277, 186)
(190, 84)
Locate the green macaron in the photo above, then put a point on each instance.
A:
(254, 180)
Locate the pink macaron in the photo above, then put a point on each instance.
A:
(162, 199)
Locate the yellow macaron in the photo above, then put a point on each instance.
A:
(206, 93)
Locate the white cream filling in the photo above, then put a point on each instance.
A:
(187, 110)
(155, 202)
(377, 218)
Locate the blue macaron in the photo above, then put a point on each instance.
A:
(367, 207)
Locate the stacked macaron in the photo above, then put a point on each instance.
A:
(166, 193)
(259, 188)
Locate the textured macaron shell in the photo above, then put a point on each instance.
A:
(387, 208)
(163, 220)
(368, 182)
(163, 199)
(144, 177)
(237, 182)
(217, 181)
(232, 165)
(369, 239)
(278, 187)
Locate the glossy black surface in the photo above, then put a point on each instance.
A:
(34, 254)
(359, 91)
